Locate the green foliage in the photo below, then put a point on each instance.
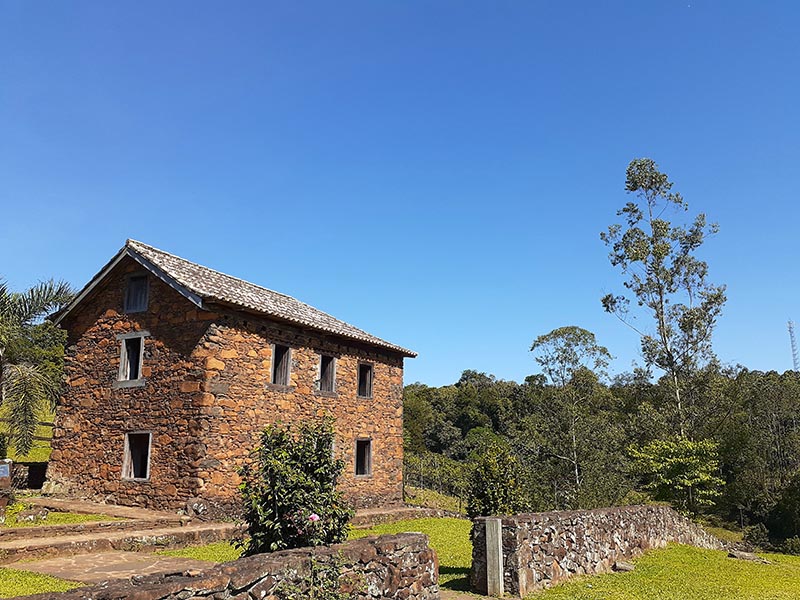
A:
(31, 357)
(289, 490)
(784, 520)
(791, 546)
(3, 446)
(756, 536)
(680, 471)
(665, 277)
(436, 472)
(494, 484)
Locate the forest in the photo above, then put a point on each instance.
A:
(718, 442)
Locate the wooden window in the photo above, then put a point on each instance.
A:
(365, 372)
(281, 364)
(136, 294)
(131, 356)
(363, 457)
(136, 464)
(327, 373)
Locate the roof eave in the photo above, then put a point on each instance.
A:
(386, 346)
(127, 252)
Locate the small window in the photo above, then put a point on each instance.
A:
(327, 374)
(136, 464)
(363, 457)
(281, 364)
(365, 380)
(130, 366)
(136, 294)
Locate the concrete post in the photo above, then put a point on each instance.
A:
(494, 558)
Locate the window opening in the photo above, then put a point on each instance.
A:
(281, 364)
(363, 457)
(327, 373)
(137, 456)
(131, 367)
(365, 380)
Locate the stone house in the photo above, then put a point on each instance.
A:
(173, 369)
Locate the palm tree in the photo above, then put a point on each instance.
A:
(27, 389)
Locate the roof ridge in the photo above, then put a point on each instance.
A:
(196, 286)
(218, 272)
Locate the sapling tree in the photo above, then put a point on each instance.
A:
(664, 277)
(571, 359)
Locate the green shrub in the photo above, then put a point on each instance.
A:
(791, 545)
(756, 536)
(494, 484)
(289, 490)
(783, 520)
(680, 471)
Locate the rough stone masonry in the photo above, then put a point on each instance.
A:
(542, 549)
(205, 391)
(401, 567)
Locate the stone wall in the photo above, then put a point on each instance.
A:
(542, 549)
(205, 399)
(390, 566)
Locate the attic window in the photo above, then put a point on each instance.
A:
(281, 364)
(136, 294)
(365, 380)
(327, 373)
(363, 457)
(136, 463)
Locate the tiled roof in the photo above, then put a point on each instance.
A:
(215, 286)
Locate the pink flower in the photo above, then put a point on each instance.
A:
(313, 517)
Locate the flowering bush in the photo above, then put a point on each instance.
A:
(289, 490)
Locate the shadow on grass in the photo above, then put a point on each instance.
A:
(455, 578)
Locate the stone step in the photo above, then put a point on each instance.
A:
(97, 527)
(144, 540)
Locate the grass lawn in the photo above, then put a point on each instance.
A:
(432, 499)
(215, 552)
(15, 583)
(687, 573)
(53, 517)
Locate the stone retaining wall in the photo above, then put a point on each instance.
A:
(390, 566)
(542, 549)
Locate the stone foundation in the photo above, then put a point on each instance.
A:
(542, 549)
(390, 566)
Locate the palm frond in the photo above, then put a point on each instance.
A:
(28, 391)
(40, 300)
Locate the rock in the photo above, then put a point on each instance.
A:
(739, 555)
(196, 507)
(32, 515)
(623, 567)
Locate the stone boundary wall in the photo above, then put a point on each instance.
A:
(541, 549)
(390, 566)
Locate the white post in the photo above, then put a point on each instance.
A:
(494, 558)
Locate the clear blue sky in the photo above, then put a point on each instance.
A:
(436, 173)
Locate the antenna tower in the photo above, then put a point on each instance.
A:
(795, 359)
